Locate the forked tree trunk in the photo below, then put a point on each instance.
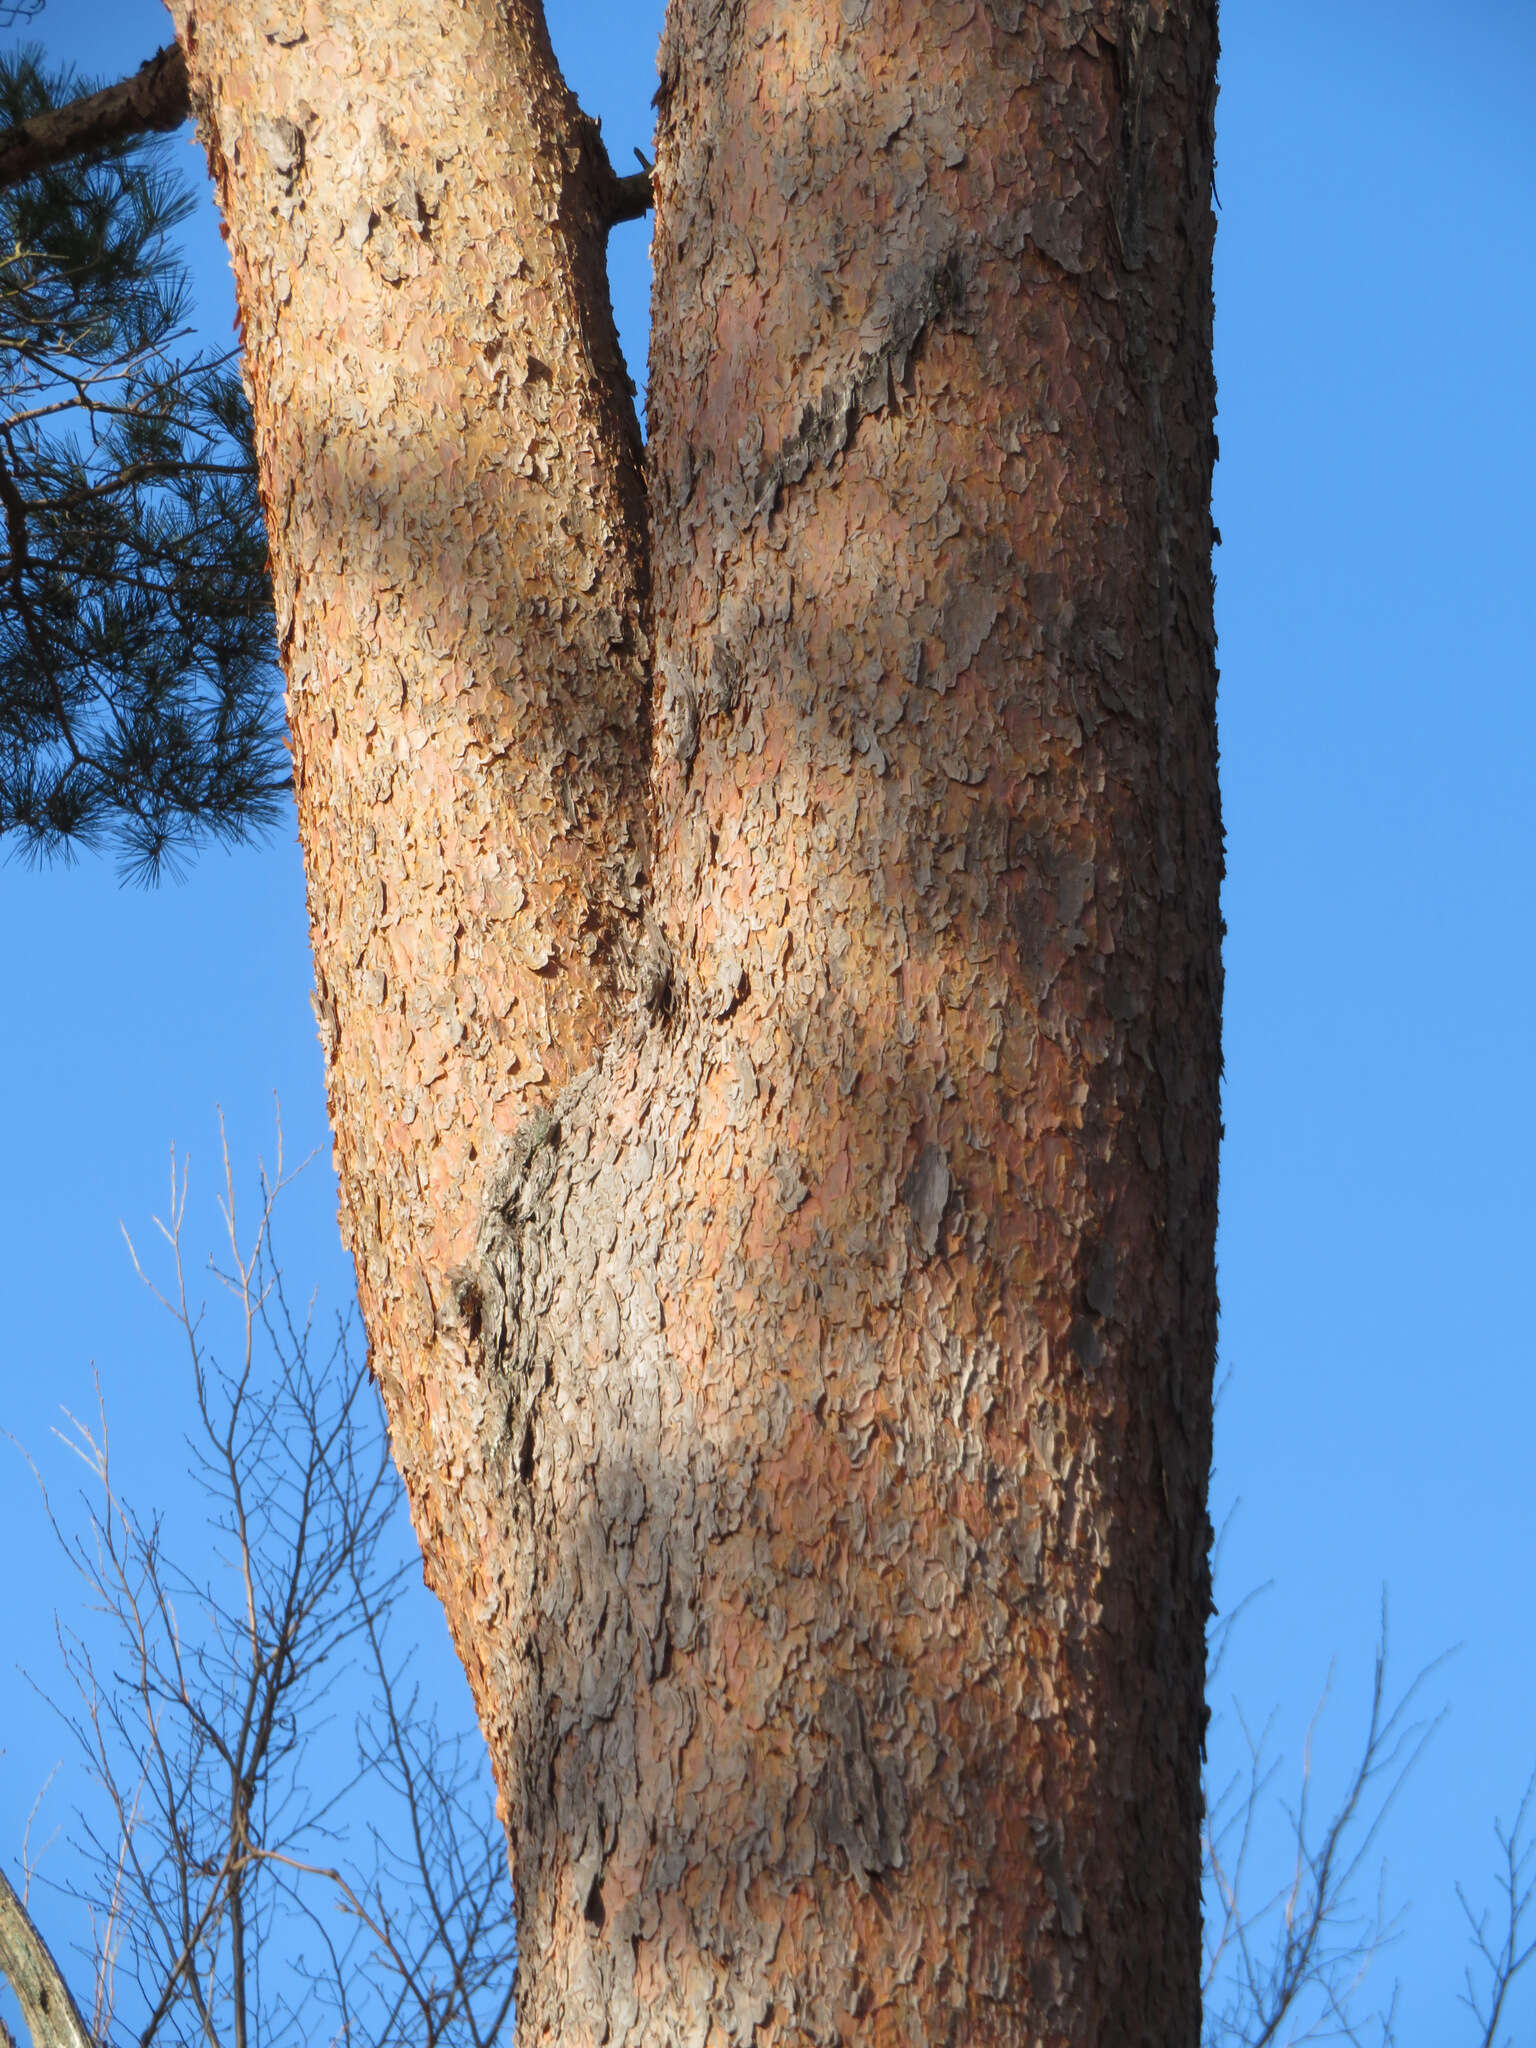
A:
(771, 995)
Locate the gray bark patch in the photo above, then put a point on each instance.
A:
(499, 1295)
(861, 1806)
(926, 1194)
(680, 718)
(920, 296)
(281, 142)
(1049, 1847)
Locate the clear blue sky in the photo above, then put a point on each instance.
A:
(1376, 298)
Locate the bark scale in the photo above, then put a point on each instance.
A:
(778, 1138)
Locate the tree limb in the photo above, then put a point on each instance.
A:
(52, 2017)
(154, 99)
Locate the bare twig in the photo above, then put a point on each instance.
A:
(27, 1863)
(1291, 1966)
(213, 1850)
(1504, 1954)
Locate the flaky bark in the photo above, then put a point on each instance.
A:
(451, 468)
(781, 1165)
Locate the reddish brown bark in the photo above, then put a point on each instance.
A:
(454, 510)
(780, 1159)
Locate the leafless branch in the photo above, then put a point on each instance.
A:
(27, 1864)
(1289, 1968)
(1504, 1953)
(233, 1816)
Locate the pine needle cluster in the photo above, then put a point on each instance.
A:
(138, 701)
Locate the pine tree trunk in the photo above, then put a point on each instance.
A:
(778, 1140)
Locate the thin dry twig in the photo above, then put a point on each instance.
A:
(1503, 1954)
(232, 1817)
(1290, 1968)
